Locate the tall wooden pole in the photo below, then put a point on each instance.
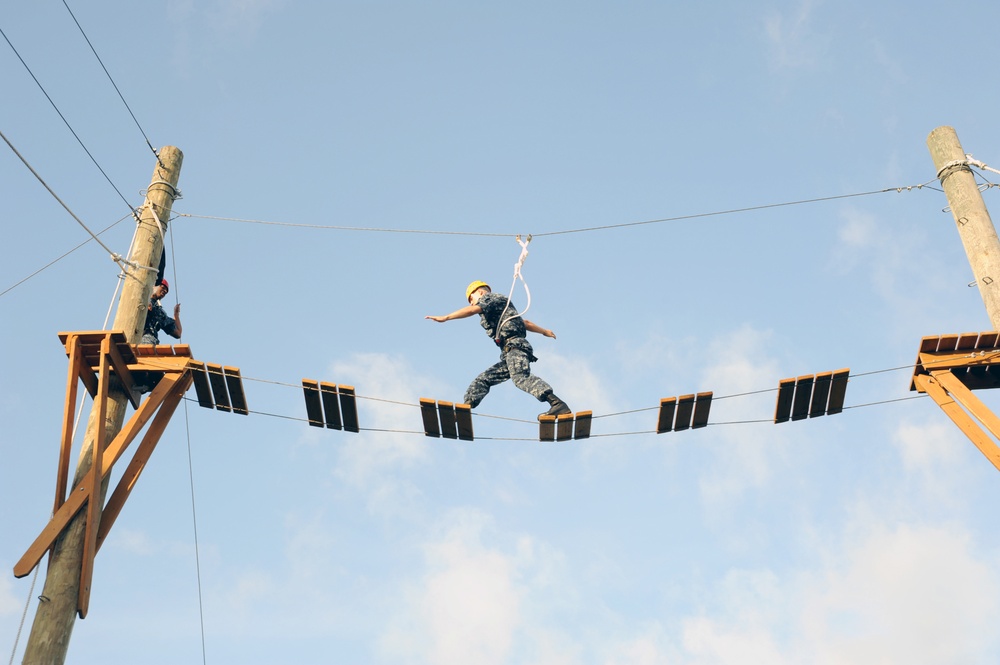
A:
(979, 237)
(57, 609)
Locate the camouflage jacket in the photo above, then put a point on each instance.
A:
(512, 326)
(157, 320)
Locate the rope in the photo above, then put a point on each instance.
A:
(517, 275)
(114, 257)
(24, 614)
(900, 189)
(66, 122)
(122, 97)
(194, 520)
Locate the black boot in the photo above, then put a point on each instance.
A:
(557, 406)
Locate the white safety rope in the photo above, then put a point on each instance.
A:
(517, 276)
(968, 161)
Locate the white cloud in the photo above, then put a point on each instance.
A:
(476, 603)
(371, 459)
(903, 594)
(743, 457)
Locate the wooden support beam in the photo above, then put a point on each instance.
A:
(176, 386)
(936, 390)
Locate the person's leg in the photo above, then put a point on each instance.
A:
(481, 385)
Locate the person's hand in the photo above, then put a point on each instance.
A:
(439, 319)
(177, 310)
(549, 333)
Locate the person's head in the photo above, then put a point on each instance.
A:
(161, 290)
(475, 291)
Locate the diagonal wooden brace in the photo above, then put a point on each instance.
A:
(80, 496)
(944, 388)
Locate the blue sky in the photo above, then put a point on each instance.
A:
(865, 537)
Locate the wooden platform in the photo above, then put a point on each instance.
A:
(684, 412)
(972, 357)
(565, 427)
(331, 405)
(445, 419)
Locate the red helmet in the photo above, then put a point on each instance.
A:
(166, 285)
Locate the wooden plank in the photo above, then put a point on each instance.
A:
(665, 420)
(685, 407)
(820, 394)
(564, 427)
(234, 382)
(201, 386)
(583, 422)
(948, 342)
(218, 380)
(331, 405)
(428, 413)
(803, 394)
(783, 408)
(987, 340)
(120, 366)
(463, 414)
(348, 408)
(314, 407)
(546, 428)
(838, 389)
(702, 405)
(967, 341)
(449, 428)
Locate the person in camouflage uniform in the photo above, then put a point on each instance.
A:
(157, 319)
(516, 355)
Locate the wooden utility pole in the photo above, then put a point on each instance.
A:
(58, 606)
(975, 227)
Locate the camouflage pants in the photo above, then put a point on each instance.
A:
(514, 364)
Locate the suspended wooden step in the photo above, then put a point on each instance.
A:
(452, 421)
(972, 357)
(565, 427)
(219, 387)
(331, 405)
(811, 396)
(684, 412)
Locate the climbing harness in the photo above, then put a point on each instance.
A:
(517, 276)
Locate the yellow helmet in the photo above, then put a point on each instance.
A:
(472, 287)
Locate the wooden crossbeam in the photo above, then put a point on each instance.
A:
(945, 389)
(685, 412)
(811, 396)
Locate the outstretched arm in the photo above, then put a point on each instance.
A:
(535, 328)
(463, 313)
